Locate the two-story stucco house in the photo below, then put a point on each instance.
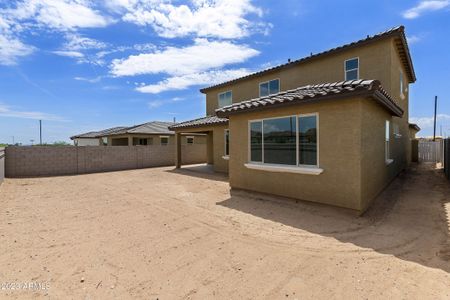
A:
(330, 128)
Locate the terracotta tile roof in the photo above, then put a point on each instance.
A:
(401, 43)
(414, 126)
(310, 93)
(200, 122)
(154, 127)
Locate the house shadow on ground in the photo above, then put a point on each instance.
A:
(410, 219)
(204, 171)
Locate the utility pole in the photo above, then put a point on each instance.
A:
(435, 110)
(40, 132)
(13, 140)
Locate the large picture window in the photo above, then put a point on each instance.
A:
(285, 141)
(280, 141)
(307, 138)
(256, 141)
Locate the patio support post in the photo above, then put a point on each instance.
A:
(210, 148)
(130, 141)
(177, 150)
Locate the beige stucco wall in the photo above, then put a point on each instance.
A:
(198, 139)
(374, 63)
(339, 156)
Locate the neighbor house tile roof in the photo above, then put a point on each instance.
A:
(201, 122)
(312, 93)
(414, 126)
(397, 32)
(97, 134)
(154, 127)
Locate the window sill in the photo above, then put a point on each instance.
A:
(226, 157)
(285, 169)
(389, 161)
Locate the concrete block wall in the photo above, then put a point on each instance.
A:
(70, 160)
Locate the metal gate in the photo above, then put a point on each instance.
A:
(430, 151)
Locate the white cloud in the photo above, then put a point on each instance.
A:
(185, 81)
(90, 80)
(413, 39)
(155, 104)
(425, 6)
(76, 42)
(201, 56)
(158, 103)
(202, 18)
(11, 49)
(58, 14)
(74, 54)
(428, 122)
(7, 111)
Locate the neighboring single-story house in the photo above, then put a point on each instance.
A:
(93, 138)
(330, 128)
(150, 133)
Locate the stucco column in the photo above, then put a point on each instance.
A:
(210, 148)
(177, 150)
(130, 141)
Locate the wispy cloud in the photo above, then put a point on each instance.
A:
(158, 103)
(8, 111)
(221, 19)
(66, 53)
(201, 56)
(425, 6)
(413, 39)
(185, 81)
(11, 49)
(428, 122)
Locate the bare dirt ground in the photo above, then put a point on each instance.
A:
(159, 233)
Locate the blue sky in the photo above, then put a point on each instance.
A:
(83, 65)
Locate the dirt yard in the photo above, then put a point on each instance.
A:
(164, 234)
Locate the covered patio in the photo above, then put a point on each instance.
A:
(215, 129)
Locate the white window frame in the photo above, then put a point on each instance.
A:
(297, 168)
(268, 81)
(226, 156)
(190, 137)
(387, 142)
(345, 68)
(163, 137)
(402, 87)
(218, 98)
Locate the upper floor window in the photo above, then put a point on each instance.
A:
(225, 98)
(269, 87)
(190, 140)
(352, 69)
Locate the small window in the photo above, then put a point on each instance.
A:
(269, 87)
(396, 129)
(143, 142)
(104, 141)
(164, 140)
(227, 142)
(190, 140)
(352, 69)
(387, 141)
(225, 99)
